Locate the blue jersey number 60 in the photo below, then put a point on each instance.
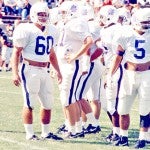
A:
(42, 48)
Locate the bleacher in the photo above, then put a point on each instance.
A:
(9, 19)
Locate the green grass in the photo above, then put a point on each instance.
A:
(12, 135)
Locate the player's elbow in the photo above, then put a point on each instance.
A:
(89, 41)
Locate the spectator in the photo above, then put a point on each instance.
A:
(6, 52)
(23, 8)
(26, 10)
(10, 7)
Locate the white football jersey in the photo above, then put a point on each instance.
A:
(94, 30)
(72, 35)
(136, 46)
(107, 35)
(36, 43)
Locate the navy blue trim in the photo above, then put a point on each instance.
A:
(24, 85)
(73, 81)
(119, 83)
(86, 79)
(77, 87)
(120, 53)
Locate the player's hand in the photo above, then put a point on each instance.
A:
(16, 80)
(59, 77)
(52, 73)
(69, 57)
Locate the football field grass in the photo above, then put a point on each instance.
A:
(12, 134)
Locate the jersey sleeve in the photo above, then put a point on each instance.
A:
(120, 38)
(20, 36)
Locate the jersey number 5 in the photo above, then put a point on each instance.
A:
(141, 51)
(42, 48)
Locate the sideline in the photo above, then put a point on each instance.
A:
(22, 144)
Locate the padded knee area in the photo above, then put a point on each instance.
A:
(144, 121)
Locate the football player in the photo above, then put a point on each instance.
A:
(133, 46)
(75, 39)
(89, 82)
(108, 15)
(35, 42)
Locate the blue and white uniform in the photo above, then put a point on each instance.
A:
(37, 45)
(89, 83)
(135, 82)
(72, 37)
(112, 90)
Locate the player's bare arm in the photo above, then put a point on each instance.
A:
(15, 62)
(54, 62)
(117, 60)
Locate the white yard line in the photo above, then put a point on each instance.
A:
(17, 93)
(21, 143)
(5, 77)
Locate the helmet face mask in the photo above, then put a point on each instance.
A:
(39, 13)
(145, 25)
(42, 18)
(141, 20)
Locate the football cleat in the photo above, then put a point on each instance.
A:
(114, 139)
(108, 138)
(7, 70)
(53, 137)
(68, 135)
(80, 135)
(33, 138)
(123, 141)
(91, 129)
(62, 129)
(77, 135)
(140, 144)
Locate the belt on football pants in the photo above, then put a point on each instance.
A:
(35, 63)
(137, 67)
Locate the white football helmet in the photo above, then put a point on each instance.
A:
(141, 19)
(117, 3)
(124, 16)
(55, 16)
(143, 2)
(86, 11)
(39, 13)
(107, 15)
(69, 9)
